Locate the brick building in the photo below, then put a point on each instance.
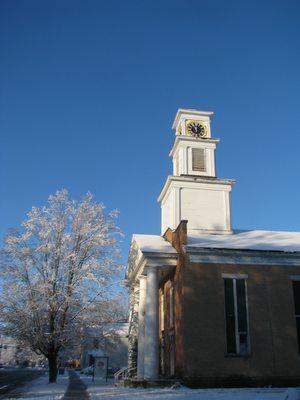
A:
(211, 305)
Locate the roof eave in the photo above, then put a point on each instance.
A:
(192, 111)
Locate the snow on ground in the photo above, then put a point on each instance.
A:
(100, 390)
(40, 389)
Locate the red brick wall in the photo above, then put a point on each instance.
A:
(273, 341)
(178, 239)
(200, 338)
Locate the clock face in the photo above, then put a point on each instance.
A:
(196, 129)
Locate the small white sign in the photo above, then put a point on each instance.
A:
(100, 367)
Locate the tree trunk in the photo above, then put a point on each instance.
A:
(52, 361)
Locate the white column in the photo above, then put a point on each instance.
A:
(151, 347)
(141, 338)
(133, 326)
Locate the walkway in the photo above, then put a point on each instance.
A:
(76, 389)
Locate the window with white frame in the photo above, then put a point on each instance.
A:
(236, 313)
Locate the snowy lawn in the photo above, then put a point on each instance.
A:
(100, 390)
(40, 389)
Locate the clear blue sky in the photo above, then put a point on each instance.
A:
(89, 89)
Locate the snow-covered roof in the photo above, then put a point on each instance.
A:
(248, 240)
(147, 249)
(153, 244)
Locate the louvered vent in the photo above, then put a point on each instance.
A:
(198, 156)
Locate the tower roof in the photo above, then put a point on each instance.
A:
(189, 112)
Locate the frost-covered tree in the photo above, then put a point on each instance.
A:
(62, 261)
(104, 315)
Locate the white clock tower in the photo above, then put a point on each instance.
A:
(193, 192)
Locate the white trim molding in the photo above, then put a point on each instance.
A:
(140, 259)
(242, 257)
(235, 276)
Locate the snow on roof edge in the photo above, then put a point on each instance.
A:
(153, 243)
(260, 240)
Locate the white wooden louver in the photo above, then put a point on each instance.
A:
(198, 159)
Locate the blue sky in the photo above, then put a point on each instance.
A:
(89, 89)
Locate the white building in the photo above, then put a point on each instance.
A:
(110, 340)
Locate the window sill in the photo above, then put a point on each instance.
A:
(232, 355)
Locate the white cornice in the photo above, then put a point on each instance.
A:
(138, 260)
(193, 180)
(190, 112)
(242, 257)
(191, 139)
(157, 260)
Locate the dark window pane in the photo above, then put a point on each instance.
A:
(241, 305)
(91, 360)
(243, 338)
(296, 288)
(298, 332)
(230, 320)
(243, 343)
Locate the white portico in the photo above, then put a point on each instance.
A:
(150, 258)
